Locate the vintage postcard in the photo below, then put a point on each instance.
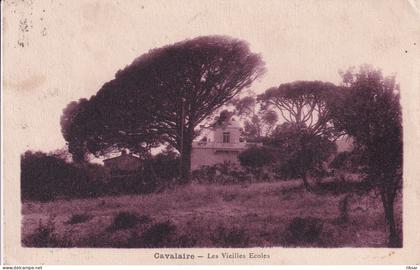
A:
(211, 132)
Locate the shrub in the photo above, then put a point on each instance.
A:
(45, 236)
(299, 150)
(125, 220)
(162, 234)
(42, 237)
(255, 158)
(204, 174)
(221, 173)
(136, 183)
(158, 235)
(305, 230)
(78, 218)
(341, 160)
(45, 177)
(166, 166)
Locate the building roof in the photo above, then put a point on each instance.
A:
(233, 123)
(123, 156)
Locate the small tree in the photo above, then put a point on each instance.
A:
(255, 158)
(370, 112)
(305, 108)
(300, 151)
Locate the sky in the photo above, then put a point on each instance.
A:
(56, 52)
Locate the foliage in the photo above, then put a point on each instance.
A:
(44, 177)
(78, 218)
(370, 112)
(158, 235)
(46, 236)
(255, 158)
(258, 123)
(163, 95)
(305, 230)
(74, 130)
(350, 161)
(42, 237)
(304, 103)
(299, 151)
(124, 220)
(165, 165)
(305, 139)
(221, 173)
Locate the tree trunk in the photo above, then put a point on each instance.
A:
(388, 197)
(185, 166)
(394, 240)
(305, 181)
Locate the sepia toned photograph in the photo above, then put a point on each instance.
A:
(147, 125)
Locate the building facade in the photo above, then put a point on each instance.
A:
(223, 145)
(123, 164)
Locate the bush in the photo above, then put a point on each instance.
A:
(166, 166)
(78, 218)
(126, 220)
(221, 173)
(350, 161)
(42, 237)
(158, 235)
(44, 177)
(255, 157)
(305, 230)
(298, 150)
(45, 236)
(136, 183)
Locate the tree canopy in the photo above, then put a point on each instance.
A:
(258, 123)
(303, 103)
(163, 95)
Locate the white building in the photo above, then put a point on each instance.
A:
(223, 146)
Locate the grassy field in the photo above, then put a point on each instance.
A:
(202, 215)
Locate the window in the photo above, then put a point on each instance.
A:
(226, 137)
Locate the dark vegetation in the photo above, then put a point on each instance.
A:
(304, 230)
(78, 218)
(45, 177)
(124, 220)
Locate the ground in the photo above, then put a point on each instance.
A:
(204, 215)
